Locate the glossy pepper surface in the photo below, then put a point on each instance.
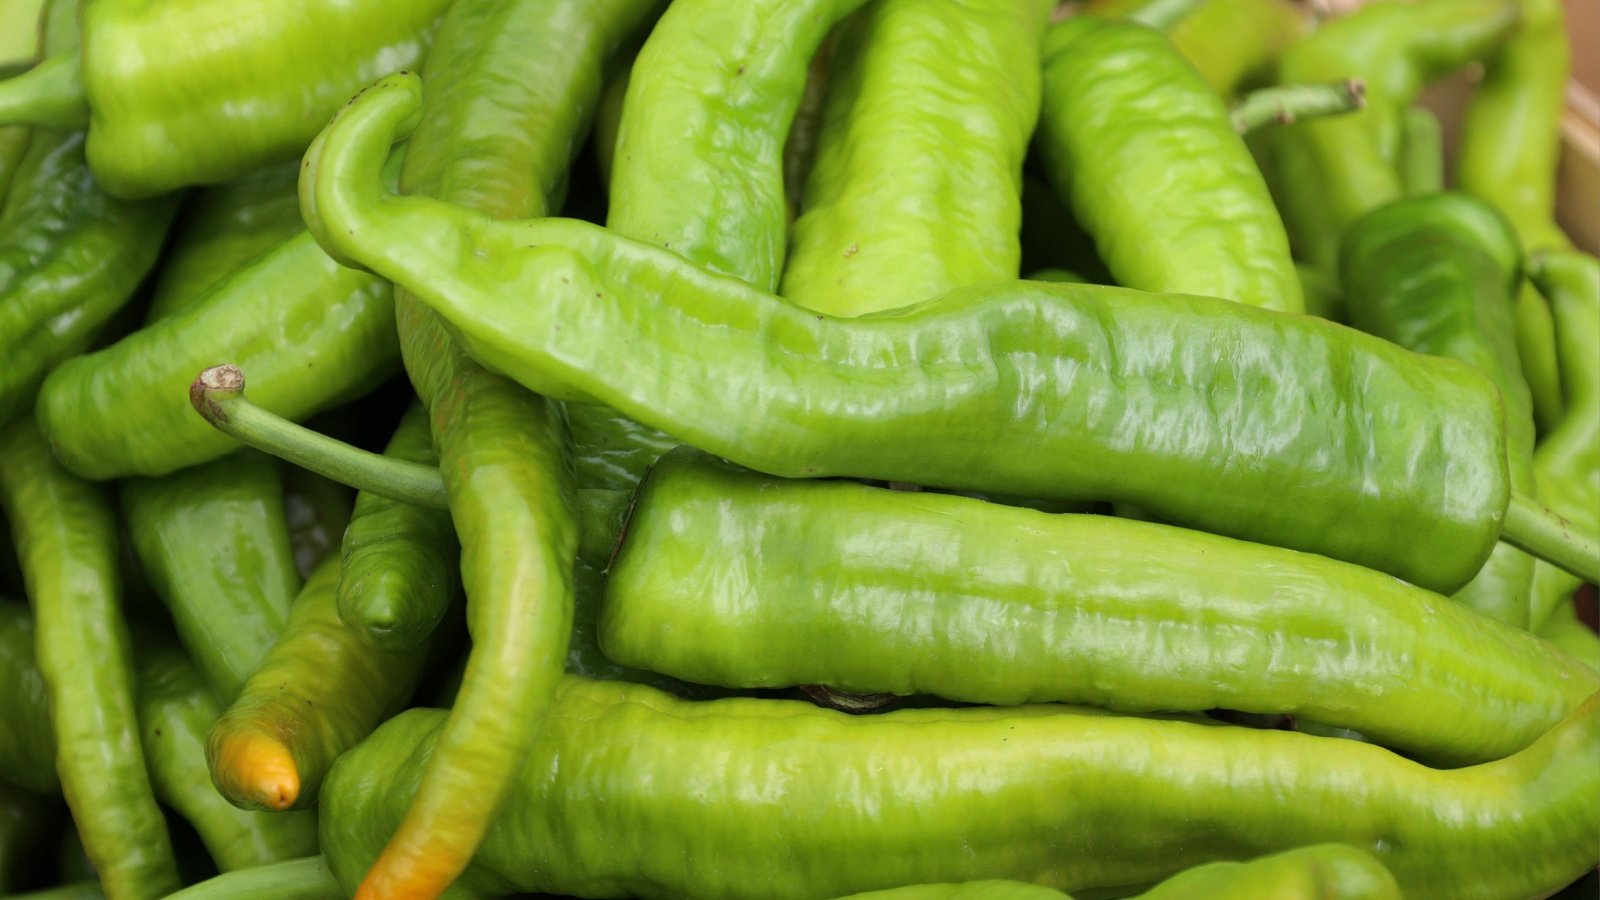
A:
(1437, 274)
(1082, 384)
(1143, 151)
(618, 798)
(501, 126)
(66, 537)
(195, 92)
(906, 198)
(727, 577)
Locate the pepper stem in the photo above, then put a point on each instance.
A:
(1532, 527)
(50, 94)
(218, 395)
(1288, 103)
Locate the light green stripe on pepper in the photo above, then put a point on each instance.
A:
(732, 578)
(175, 709)
(1146, 156)
(629, 792)
(909, 198)
(1269, 427)
(1436, 274)
(66, 537)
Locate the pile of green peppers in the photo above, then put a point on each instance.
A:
(904, 449)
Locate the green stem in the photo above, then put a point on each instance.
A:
(294, 879)
(1163, 14)
(50, 94)
(1422, 154)
(1532, 527)
(218, 395)
(1288, 103)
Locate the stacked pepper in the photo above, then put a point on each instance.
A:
(1311, 581)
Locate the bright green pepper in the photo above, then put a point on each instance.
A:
(27, 747)
(906, 198)
(399, 569)
(193, 92)
(67, 541)
(320, 690)
(1235, 44)
(70, 256)
(511, 84)
(1145, 154)
(630, 792)
(1268, 427)
(317, 511)
(1567, 462)
(1564, 629)
(298, 879)
(175, 709)
(20, 22)
(1325, 174)
(732, 578)
(1436, 274)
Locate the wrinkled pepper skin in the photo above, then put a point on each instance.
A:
(27, 745)
(1146, 156)
(320, 690)
(314, 333)
(630, 792)
(1437, 274)
(1567, 462)
(907, 199)
(66, 536)
(1319, 872)
(1266, 427)
(70, 256)
(1326, 173)
(175, 709)
(196, 92)
(732, 578)
(214, 544)
(511, 85)
(732, 76)
(399, 568)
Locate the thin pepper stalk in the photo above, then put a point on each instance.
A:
(1422, 155)
(742, 395)
(1286, 104)
(526, 72)
(66, 537)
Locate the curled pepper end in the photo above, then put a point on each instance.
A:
(50, 95)
(341, 177)
(218, 396)
(1286, 104)
(255, 770)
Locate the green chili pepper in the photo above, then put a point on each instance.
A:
(317, 511)
(70, 256)
(175, 709)
(1422, 152)
(511, 84)
(1124, 118)
(1234, 44)
(1436, 274)
(716, 582)
(1319, 872)
(224, 228)
(1077, 382)
(325, 333)
(296, 879)
(193, 93)
(631, 792)
(20, 26)
(1325, 174)
(1564, 629)
(399, 567)
(1567, 462)
(67, 541)
(903, 202)
(320, 691)
(27, 745)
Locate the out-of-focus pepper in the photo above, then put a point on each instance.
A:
(630, 792)
(66, 538)
(196, 92)
(1235, 44)
(27, 747)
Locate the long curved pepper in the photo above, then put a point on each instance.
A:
(1273, 428)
